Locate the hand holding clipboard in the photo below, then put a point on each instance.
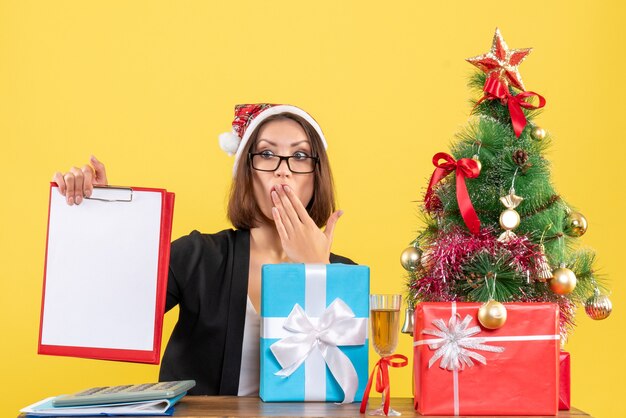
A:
(104, 290)
(78, 183)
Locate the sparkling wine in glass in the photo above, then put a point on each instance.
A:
(385, 319)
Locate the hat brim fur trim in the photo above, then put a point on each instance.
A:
(275, 110)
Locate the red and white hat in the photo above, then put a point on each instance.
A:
(249, 116)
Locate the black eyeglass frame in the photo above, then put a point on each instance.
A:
(281, 159)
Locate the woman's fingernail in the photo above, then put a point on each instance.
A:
(274, 195)
(287, 189)
(78, 200)
(70, 200)
(87, 193)
(340, 213)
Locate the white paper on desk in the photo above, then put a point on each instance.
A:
(101, 270)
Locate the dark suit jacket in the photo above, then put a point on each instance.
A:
(208, 279)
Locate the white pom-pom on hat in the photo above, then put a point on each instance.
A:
(229, 142)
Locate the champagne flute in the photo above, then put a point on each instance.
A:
(385, 319)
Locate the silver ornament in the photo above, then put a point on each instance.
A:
(410, 258)
(409, 325)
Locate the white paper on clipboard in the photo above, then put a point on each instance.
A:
(102, 271)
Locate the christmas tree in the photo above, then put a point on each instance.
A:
(496, 230)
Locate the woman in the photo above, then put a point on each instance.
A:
(281, 195)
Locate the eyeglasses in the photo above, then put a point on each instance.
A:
(298, 164)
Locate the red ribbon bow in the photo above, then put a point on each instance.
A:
(382, 379)
(465, 168)
(496, 89)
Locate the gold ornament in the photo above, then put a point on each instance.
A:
(492, 315)
(545, 272)
(563, 280)
(480, 166)
(410, 258)
(575, 224)
(538, 133)
(509, 218)
(511, 201)
(598, 306)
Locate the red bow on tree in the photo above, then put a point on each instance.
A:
(465, 168)
(496, 89)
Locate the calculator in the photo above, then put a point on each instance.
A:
(125, 393)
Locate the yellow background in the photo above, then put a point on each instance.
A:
(148, 85)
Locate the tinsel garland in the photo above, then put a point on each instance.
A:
(449, 254)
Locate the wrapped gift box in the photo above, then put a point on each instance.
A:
(314, 327)
(564, 381)
(520, 374)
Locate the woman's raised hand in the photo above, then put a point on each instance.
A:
(78, 183)
(302, 240)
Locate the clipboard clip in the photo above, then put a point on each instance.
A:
(113, 194)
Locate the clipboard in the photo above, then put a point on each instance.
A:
(105, 274)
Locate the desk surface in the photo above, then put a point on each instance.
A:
(233, 406)
(205, 406)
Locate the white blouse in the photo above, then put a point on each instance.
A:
(249, 372)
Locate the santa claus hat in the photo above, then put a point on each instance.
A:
(249, 116)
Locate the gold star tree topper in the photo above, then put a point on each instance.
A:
(502, 62)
